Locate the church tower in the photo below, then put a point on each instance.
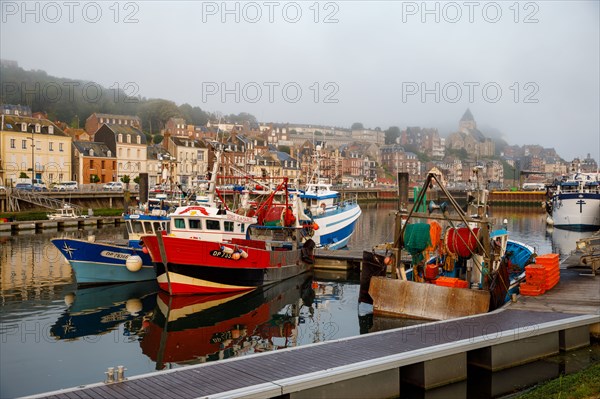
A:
(467, 122)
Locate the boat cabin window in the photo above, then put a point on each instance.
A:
(195, 224)
(148, 227)
(158, 226)
(179, 223)
(137, 227)
(228, 225)
(242, 227)
(213, 225)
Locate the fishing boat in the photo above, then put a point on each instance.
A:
(575, 204)
(459, 266)
(125, 261)
(335, 217)
(199, 328)
(95, 262)
(276, 247)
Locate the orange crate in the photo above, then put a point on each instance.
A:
(547, 258)
(451, 282)
(530, 290)
(461, 284)
(550, 283)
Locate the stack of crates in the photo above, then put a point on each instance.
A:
(541, 276)
(451, 282)
(550, 262)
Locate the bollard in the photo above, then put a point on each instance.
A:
(110, 375)
(121, 373)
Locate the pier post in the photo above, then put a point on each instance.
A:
(402, 190)
(143, 190)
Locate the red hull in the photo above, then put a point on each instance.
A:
(204, 267)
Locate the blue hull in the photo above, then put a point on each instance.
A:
(99, 263)
(336, 228)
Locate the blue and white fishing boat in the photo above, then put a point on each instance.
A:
(111, 262)
(575, 204)
(335, 217)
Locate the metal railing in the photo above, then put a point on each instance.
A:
(41, 200)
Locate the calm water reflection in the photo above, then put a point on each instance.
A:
(53, 335)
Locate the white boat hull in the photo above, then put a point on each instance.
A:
(579, 211)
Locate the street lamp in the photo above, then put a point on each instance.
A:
(32, 157)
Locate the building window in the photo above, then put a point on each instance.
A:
(23, 144)
(129, 138)
(60, 147)
(120, 138)
(38, 128)
(50, 146)
(139, 139)
(12, 143)
(23, 127)
(50, 129)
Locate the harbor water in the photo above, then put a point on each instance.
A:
(55, 335)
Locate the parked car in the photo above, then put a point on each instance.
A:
(113, 186)
(40, 187)
(66, 186)
(24, 187)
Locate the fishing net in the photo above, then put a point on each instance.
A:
(416, 239)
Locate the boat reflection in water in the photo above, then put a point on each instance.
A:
(565, 241)
(100, 309)
(199, 328)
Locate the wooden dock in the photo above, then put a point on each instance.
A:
(376, 365)
(42, 225)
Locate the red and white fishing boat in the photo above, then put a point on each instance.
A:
(276, 247)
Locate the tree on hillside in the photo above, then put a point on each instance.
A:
(391, 134)
(357, 126)
(156, 112)
(157, 138)
(241, 118)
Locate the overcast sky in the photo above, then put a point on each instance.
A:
(527, 69)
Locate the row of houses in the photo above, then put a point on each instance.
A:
(120, 150)
(112, 147)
